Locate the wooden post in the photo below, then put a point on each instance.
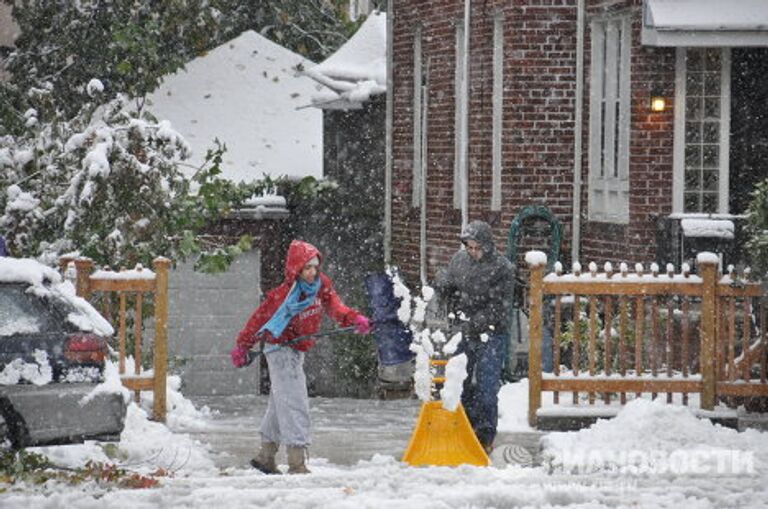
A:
(535, 336)
(708, 272)
(64, 263)
(122, 333)
(84, 267)
(161, 266)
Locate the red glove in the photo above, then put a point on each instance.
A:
(239, 356)
(362, 325)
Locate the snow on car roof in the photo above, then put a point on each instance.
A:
(23, 270)
(45, 281)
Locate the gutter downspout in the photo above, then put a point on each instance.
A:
(578, 119)
(388, 142)
(464, 147)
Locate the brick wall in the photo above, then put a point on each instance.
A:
(537, 148)
(538, 127)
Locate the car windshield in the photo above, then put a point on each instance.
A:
(22, 313)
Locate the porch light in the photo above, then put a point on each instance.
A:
(658, 102)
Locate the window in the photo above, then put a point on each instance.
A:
(609, 118)
(498, 102)
(702, 123)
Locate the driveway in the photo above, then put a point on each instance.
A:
(345, 431)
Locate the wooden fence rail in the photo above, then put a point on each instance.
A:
(107, 286)
(658, 333)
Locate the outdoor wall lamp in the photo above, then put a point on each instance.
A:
(658, 102)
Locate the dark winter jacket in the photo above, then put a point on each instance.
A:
(309, 320)
(481, 289)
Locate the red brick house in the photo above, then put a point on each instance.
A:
(497, 105)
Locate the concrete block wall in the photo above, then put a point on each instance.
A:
(206, 311)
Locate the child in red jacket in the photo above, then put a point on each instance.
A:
(293, 309)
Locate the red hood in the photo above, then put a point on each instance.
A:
(299, 253)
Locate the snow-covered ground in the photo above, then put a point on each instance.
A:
(651, 455)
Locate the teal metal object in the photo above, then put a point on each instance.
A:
(515, 231)
(535, 212)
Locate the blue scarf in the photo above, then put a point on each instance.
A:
(292, 306)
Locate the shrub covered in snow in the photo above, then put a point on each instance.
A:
(757, 228)
(108, 184)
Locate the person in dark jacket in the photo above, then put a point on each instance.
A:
(477, 287)
(293, 309)
(3, 247)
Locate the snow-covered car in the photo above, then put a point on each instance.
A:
(53, 351)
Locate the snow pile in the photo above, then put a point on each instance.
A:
(150, 445)
(110, 385)
(181, 413)
(652, 437)
(513, 406)
(38, 372)
(145, 445)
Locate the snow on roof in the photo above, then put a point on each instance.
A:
(705, 23)
(358, 70)
(245, 93)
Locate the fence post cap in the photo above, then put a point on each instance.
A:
(161, 260)
(707, 257)
(535, 258)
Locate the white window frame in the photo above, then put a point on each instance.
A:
(608, 133)
(498, 110)
(678, 182)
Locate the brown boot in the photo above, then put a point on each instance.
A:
(296, 459)
(265, 459)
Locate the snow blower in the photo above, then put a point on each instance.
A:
(443, 437)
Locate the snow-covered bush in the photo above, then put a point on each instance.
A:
(757, 229)
(107, 183)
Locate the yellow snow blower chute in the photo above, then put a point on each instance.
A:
(442, 437)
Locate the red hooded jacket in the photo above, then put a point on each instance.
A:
(309, 320)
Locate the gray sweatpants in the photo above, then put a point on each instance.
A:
(287, 418)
